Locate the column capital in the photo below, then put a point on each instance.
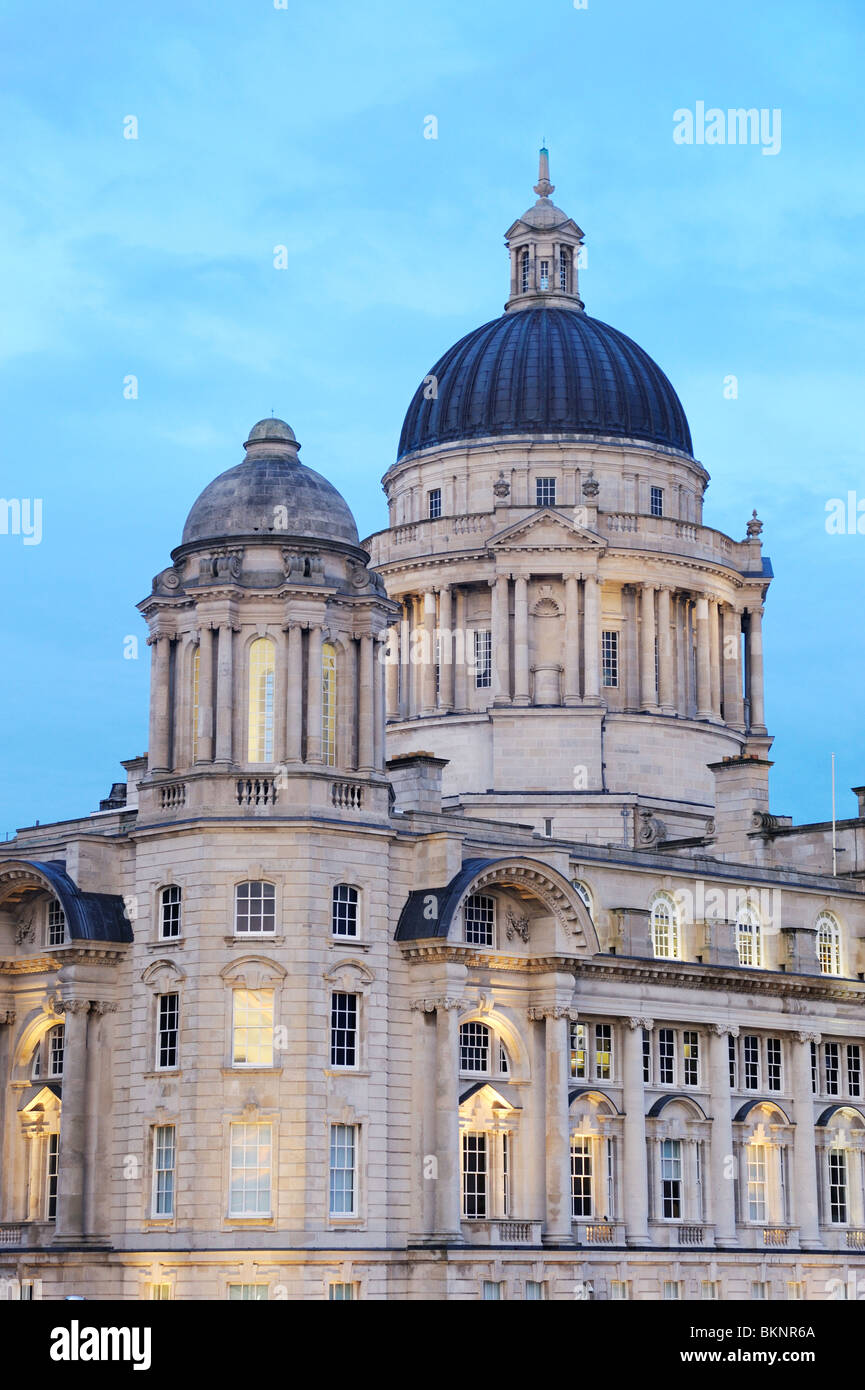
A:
(444, 1002)
(538, 1012)
(719, 1029)
(647, 1023)
(808, 1037)
(103, 1006)
(72, 1006)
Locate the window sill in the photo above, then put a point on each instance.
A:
(347, 1071)
(244, 938)
(233, 1221)
(160, 1075)
(241, 1070)
(161, 944)
(158, 1223)
(353, 941)
(344, 1222)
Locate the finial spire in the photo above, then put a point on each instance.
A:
(543, 187)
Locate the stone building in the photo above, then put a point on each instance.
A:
(443, 945)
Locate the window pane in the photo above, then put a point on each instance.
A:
(342, 1169)
(250, 1170)
(253, 1028)
(343, 1030)
(254, 908)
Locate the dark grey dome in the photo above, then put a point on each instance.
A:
(271, 493)
(545, 371)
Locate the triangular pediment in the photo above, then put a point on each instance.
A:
(545, 529)
(485, 1094)
(46, 1098)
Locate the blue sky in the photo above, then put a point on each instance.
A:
(304, 126)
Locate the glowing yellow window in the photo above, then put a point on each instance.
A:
(261, 681)
(196, 671)
(328, 704)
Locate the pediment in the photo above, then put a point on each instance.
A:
(545, 529)
(46, 1098)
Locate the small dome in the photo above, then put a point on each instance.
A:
(271, 493)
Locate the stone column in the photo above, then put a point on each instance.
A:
(429, 653)
(205, 695)
(405, 705)
(722, 1185)
(224, 693)
(447, 1101)
(501, 640)
(666, 682)
(73, 1122)
(704, 697)
(572, 640)
(464, 653)
(591, 639)
(159, 705)
(294, 696)
(378, 701)
(392, 672)
(313, 694)
(731, 666)
(366, 706)
(446, 649)
(521, 641)
(714, 658)
(804, 1151)
(648, 696)
(755, 670)
(635, 1175)
(99, 1053)
(557, 1210)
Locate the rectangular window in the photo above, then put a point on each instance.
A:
(603, 1052)
(56, 927)
(671, 1179)
(647, 1057)
(672, 1289)
(344, 910)
(545, 492)
(578, 1051)
(620, 1289)
(545, 275)
(854, 1071)
(493, 1290)
(656, 501)
(163, 1170)
(610, 658)
(483, 640)
(169, 913)
(815, 1071)
(158, 1292)
(257, 1292)
(435, 503)
(343, 1170)
(751, 1061)
(475, 1048)
(343, 1030)
(795, 1290)
(666, 1057)
(731, 1048)
(563, 269)
(252, 1028)
(524, 272)
(838, 1186)
(773, 1064)
(479, 915)
(506, 1175)
(690, 1059)
(831, 1058)
(341, 1293)
(52, 1169)
(709, 1289)
(255, 908)
(581, 1177)
(168, 1020)
(56, 1047)
(250, 1169)
(474, 1175)
(756, 1182)
(535, 1289)
(759, 1289)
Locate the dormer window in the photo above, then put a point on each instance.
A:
(545, 275)
(524, 272)
(55, 927)
(479, 917)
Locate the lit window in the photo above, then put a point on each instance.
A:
(545, 492)
(690, 1059)
(250, 1169)
(671, 1179)
(773, 1064)
(610, 659)
(666, 1057)
(257, 1292)
(169, 912)
(328, 704)
(829, 944)
(748, 940)
(52, 1171)
(524, 272)
(344, 910)
(343, 1030)
(756, 1182)
(751, 1060)
(665, 928)
(56, 1044)
(343, 1170)
(563, 269)
(578, 1051)
(254, 908)
(196, 681)
(55, 933)
(163, 1170)
(252, 1028)
(475, 1048)
(168, 1020)
(435, 503)
(479, 919)
(831, 1055)
(483, 643)
(656, 501)
(581, 1177)
(474, 1175)
(603, 1051)
(158, 1292)
(262, 669)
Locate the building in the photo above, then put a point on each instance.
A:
(443, 944)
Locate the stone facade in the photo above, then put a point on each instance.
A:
(422, 964)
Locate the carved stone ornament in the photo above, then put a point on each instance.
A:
(647, 1023)
(755, 525)
(517, 926)
(808, 1037)
(538, 1012)
(25, 931)
(652, 831)
(719, 1029)
(432, 1005)
(501, 487)
(546, 606)
(591, 486)
(73, 1006)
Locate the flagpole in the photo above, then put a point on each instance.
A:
(834, 851)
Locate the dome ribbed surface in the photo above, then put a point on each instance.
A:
(546, 371)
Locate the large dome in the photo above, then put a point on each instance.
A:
(270, 493)
(545, 371)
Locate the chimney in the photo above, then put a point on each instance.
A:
(416, 779)
(741, 805)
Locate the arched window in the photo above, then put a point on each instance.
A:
(842, 1178)
(524, 272)
(254, 908)
(564, 266)
(196, 674)
(749, 942)
(585, 895)
(829, 944)
(666, 931)
(328, 704)
(262, 666)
